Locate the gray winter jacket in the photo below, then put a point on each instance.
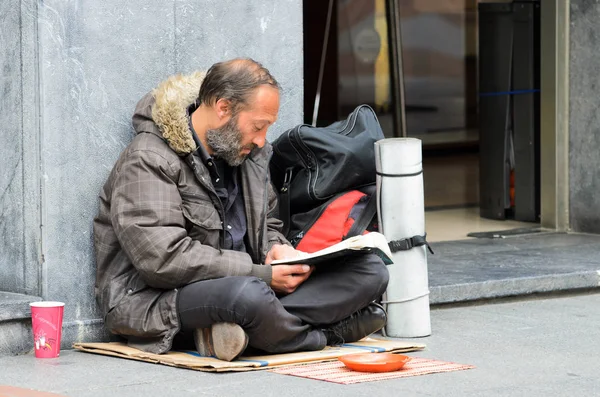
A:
(160, 221)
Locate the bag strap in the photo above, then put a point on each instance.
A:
(284, 201)
(408, 243)
(363, 220)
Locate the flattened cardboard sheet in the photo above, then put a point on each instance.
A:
(192, 360)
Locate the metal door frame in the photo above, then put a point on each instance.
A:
(554, 114)
(554, 106)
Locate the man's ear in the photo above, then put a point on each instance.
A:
(223, 108)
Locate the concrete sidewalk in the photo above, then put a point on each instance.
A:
(520, 348)
(460, 271)
(485, 268)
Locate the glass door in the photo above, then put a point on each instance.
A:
(439, 48)
(364, 62)
(348, 61)
(413, 61)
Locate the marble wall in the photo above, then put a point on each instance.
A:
(72, 72)
(11, 175)
(584, 118)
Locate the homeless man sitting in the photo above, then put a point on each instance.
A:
(186, 231)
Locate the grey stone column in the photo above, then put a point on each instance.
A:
(72, 72)
(584, 118)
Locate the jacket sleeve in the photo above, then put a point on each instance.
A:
(147, 216)
(274, 224)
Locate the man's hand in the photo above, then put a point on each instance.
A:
(281, 251)
(286, 278)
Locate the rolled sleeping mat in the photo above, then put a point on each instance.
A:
(401, 213)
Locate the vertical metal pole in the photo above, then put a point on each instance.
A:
(397, 69)
(322, 65)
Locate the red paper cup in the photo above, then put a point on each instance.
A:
(46, 321)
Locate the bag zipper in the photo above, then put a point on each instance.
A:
(313, 175)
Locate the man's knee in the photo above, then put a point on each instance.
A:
(255, 296)
(380, 275)
(371, 267)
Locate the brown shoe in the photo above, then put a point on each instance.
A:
(225, 341)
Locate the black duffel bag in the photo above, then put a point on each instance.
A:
(311, 165)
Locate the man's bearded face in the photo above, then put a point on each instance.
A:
(226, 142)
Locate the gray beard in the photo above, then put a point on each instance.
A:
(226, 142)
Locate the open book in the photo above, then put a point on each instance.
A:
(373, 242)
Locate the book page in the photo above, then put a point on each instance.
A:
(371, 242)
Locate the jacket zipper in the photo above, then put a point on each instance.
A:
(261, 230)
(215, 198)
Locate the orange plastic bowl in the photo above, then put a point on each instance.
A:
(374, 362)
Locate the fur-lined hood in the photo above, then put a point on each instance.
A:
(163, 112)
(166, 108)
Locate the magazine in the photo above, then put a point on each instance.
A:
(372, 242)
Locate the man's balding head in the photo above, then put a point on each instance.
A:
(234, 81)
(238, 102)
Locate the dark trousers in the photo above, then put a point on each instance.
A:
(287, 323)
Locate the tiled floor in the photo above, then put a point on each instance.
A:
(451, 184)
(455, 224)
(451, 180)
